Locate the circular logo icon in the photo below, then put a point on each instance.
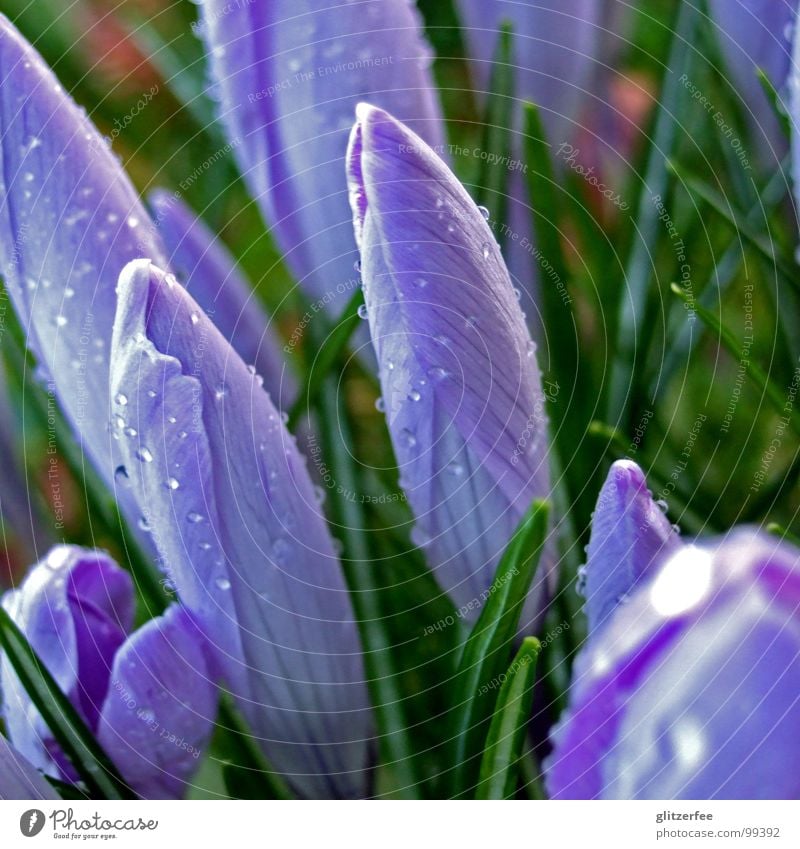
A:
(31, 822)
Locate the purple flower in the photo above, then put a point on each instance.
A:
(201, 261)
(139, 692)
(690, 690)
(18, 779)
(227, 498)
(630, 537)
(289, 74)
(461, 387)
(557, 44)
(757, 34)
(69, 222)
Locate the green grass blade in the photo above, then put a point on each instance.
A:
(73, 736)
(769, 389)
(765, 247)
(328, 357)
(498, 771)
(491, 183)
(488, 648)
(631, 332)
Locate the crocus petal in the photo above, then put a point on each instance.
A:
(692, 690)
(757, 34)
(234, 514)
(557, 43)
(160, 708)
(203, 264)
(18, 779)
(69, 221)
(630, 537)
(461, 387)
(289, 74)
(74, 608)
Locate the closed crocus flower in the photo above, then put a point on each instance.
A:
(201, 261)
(630, 537)
(228, 500)
(757, 34)
(690, 690)
(18, 778)
(147, 695)
(288, 75)
(461, 387)
(69, 222)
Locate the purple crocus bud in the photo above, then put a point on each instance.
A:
(757, 34)
(630, 537)
(202, 262)
(69, 222)
(231, 508)
(289, 74)
(18, 779)
(461, 387)
(139, 693)
(690, 691)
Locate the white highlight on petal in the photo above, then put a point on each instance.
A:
(689, 743)
(683, 582)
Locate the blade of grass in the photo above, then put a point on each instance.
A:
(491, 182)
(498, 772)
(328, 356)
(488, 647)
(769, 389)
(631, 333)
(788, 270)
(85, 754)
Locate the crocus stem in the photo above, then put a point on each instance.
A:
(348, 522)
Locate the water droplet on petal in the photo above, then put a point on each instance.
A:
(484, 212)
(455, 468)
(172, 483)
(408, 438)
(143, 455)
(195, 518)
(121, 399)
(121, 476)
(414, 395)
(380, 405)
(223, 583)
(144, 525)
(362, 311)
(485, 250)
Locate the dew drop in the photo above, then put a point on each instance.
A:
(221, 391)
(223, 583)
(143, 455)
(362, 311)
(195, 518)
(195, 318)
(144, 525)
(485, 250)
(380, 405)
(414, 395)
(121, 399)
(408, 438)
(121, 476)
(130, 431)
(420, 282)
(455, 468)
(133, 221)
(172, 483)
(485, 213)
